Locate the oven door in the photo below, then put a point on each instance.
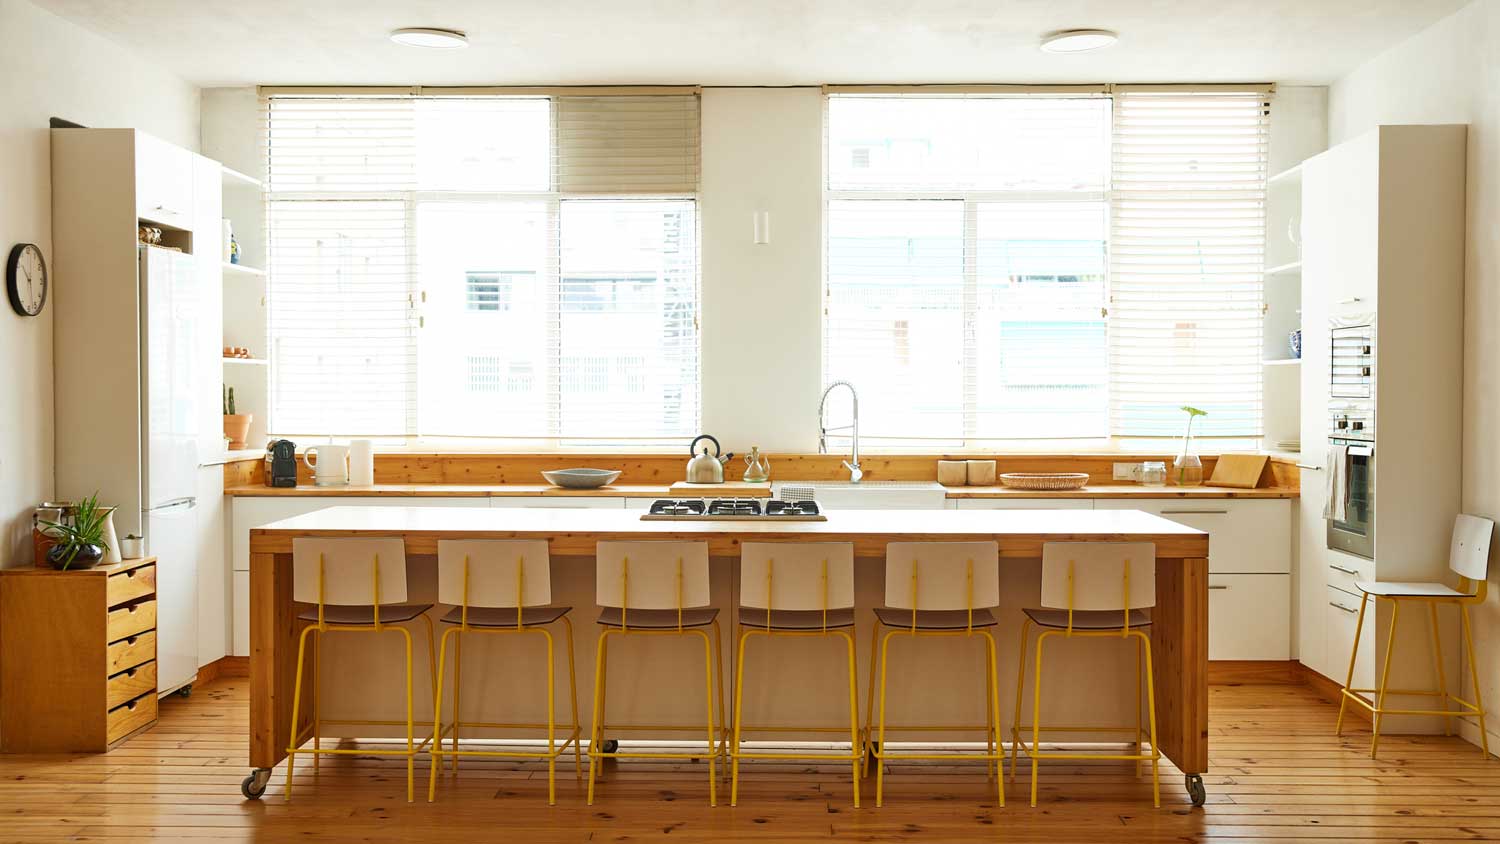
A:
(1355, 533)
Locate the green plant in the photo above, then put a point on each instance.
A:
(1192, 413)
(85, 528)
(229, 401)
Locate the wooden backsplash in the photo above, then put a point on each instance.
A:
(494, 469)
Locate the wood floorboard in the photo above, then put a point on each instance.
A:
(1277, 774)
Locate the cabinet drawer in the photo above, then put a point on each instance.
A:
(1342, 618)
(130, 620)
(1245, 537)
(1249, 616)
(130, 652)
(1345, 571)
(1023, 504)
(131, 684)
(129, 585)
(126, 719)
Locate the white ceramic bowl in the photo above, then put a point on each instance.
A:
(581, 478)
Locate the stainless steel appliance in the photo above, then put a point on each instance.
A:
(705, 469)
(733, 509)
(1351, 433)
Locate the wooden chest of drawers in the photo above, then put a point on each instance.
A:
(77, 657)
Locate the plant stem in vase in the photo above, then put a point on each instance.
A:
(1188, 468)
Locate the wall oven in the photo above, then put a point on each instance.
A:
(1351, 436)
(1355, 531)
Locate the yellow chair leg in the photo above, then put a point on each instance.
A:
(599, 656)
(993, 705)
(1359, 626)
(1385, 677)
(317, 682)
(437, 720)
(551, 724)
(854, 745)
(1151, 710)
(739, 699)
(573, 698)
(1015, 727)
(713, 732)
(1484, 740)
(870, 757)
(411, 752)
(291, 751)
(1140, 645)
(458, 687)
(885, 652)
(1036, 713)
(1437, 662)
(722, 736)
(989, 725)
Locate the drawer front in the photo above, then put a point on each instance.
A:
(1023, 504)
(1245, 537)
(1338, 639)
(1345, 571)
(1249, 616)
(130, 652)
(126, 719)
(129, 585)
(131, 684)
(130, 619)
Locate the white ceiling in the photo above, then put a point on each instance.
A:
(753, 42)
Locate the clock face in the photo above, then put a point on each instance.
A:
(26, 279)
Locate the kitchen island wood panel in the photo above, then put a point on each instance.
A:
(1181, 611)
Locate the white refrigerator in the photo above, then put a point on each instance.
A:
(172, 414)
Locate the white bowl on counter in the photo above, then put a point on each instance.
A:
(581, 478)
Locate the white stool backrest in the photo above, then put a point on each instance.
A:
(942, 575)
(797, 575)
(501, 572)
(348, 568)
(1469, 554)
(1098, 575)
(662, 575)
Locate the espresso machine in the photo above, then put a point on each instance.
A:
(281, 463)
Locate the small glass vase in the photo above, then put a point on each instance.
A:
(1187, 469)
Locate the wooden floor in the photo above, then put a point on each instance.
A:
(1277, 774)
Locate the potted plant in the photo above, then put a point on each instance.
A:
(80, 540)
(236, 425)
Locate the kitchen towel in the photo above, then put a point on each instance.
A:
(1336, 503)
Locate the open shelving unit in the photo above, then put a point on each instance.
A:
(1282, 375)
(245, 302)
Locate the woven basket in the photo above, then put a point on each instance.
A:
(1044, 480)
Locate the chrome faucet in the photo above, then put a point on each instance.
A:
(852, 464)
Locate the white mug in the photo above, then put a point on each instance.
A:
(332, 466)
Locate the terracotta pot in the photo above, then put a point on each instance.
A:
(236, 428)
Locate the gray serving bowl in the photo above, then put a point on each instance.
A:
(581, 478)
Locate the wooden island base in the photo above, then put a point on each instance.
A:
(790, 682)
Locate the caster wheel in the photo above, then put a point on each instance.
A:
(609, 746)
(185, 691)
(254, 785)
(1196, 792)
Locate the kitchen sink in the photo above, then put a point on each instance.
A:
(873, 495)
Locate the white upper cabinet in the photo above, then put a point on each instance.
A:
(163, 182)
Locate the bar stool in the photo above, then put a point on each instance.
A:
(1469, 558)
(938, 589)
(656, 589)
(803, 590)
(1091, 589)
(357, 585)
(500, 587)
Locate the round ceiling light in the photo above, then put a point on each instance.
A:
(434, 39)
(1078, 40)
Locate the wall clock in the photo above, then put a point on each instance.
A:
(26, 279)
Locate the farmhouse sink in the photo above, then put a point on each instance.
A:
(873, 495)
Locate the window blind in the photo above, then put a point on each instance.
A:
(483, 266)
(1186, 251)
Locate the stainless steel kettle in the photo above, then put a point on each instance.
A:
(703, 468)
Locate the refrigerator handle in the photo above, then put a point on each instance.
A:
(185, 503)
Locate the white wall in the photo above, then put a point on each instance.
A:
(1446, 74)
(52, 68)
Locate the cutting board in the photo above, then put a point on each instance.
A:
(1238, 470)
(728, 489)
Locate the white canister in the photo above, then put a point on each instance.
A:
(111, 540)
(132, 548)
(361, 462)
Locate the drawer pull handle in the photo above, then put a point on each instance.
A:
(1195, 512)
(1306, 466)
(130, 672)
(1337, 567)
(130, 706)
(1341, 606)
(130, 640)
(130, 573)
(1211, 586)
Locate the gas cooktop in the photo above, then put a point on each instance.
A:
(733, 509)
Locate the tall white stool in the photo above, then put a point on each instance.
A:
(1092, 589)
(1469, 558)
(356, 585)
(938, 589)
(656, 589)
(798, 590)
(501, 587)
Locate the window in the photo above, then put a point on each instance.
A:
(484, 266)
(995, 263)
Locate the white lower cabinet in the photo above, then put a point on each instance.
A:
(240, 640)
(1341, 617)
(1249, 616)
(561, 502)
(1023, 504)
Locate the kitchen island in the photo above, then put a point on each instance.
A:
(1179, 632)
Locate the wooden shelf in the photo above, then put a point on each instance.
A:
(235, 178)
(242, 269)
(1289, 268)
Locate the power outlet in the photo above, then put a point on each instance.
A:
(1127, 472)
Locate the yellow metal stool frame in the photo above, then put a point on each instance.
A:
(947, 563)
(688, 585)
(758, 556)
(1088, 619)
(526, 594)
(1468, 557)
(395, 555)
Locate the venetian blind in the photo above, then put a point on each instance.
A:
(483, 265)
(1186, 249)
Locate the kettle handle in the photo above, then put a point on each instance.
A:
(693, 446)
